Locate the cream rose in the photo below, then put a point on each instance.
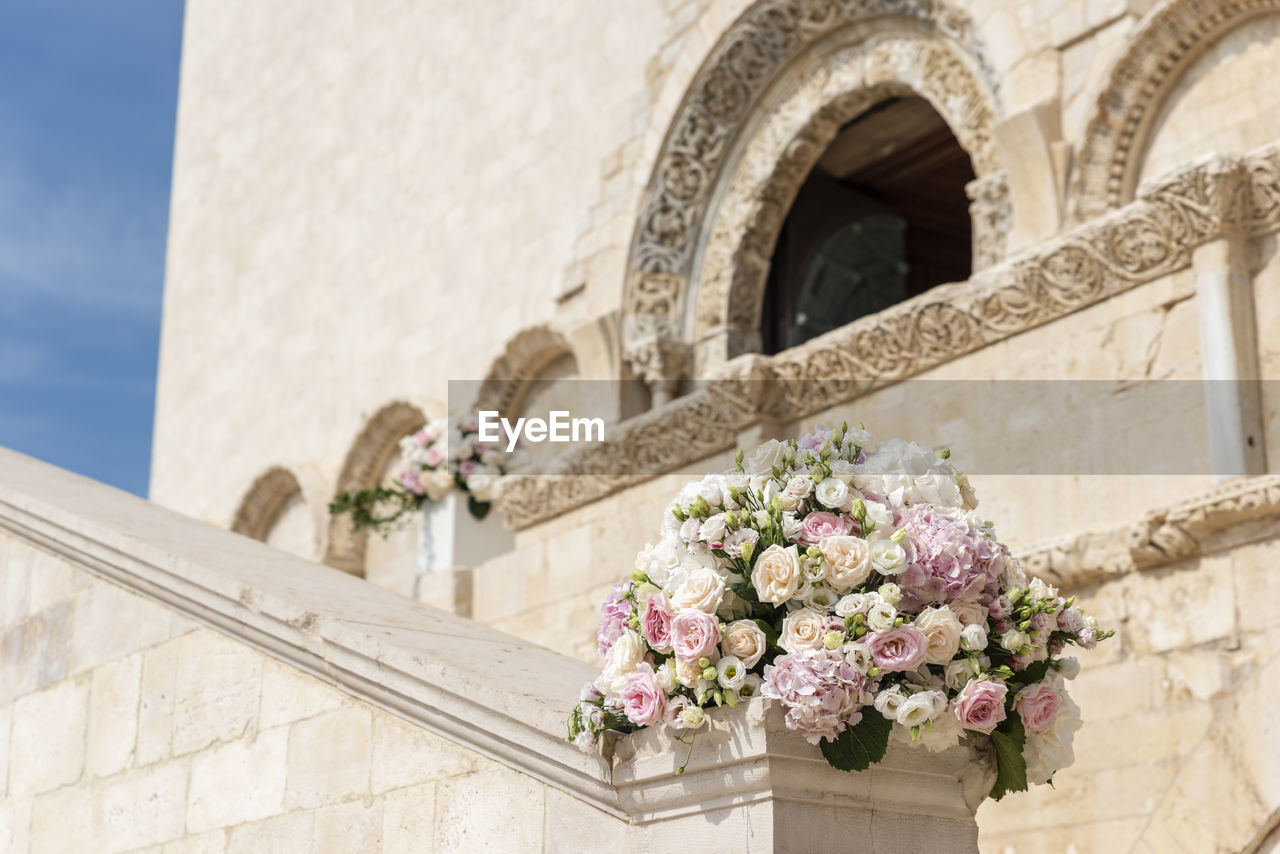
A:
(743, 640)
(688, 673)
(969, 613)
(703, 591)
(942, 633)
(802, 629)
(768, 455)
(776, 575)
(848, 561)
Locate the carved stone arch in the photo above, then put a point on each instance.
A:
(759, 96)
(264, 501)
(371, 453)
(521, 362)
(1167, 41)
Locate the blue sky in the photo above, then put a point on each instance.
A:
(88, 96)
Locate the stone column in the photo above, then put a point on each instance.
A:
(1229, 338)
(753, 785)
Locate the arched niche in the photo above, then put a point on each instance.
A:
(274, 508)
(776, 89)
(366, 463)
(1129, 110)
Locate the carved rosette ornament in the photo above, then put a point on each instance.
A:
(716, 200)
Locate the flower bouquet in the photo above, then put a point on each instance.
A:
(859, 589)
(434, 461)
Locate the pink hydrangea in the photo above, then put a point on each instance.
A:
(821, 691)
(614, 613)
(813, 440)
(818, 526)
(951, 559)
(411, 483)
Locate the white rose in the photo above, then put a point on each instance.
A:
(832, 492)
(744, 640)
(942, 633)
(803, 629)
(768, 455)
(878, 515)
(915, 710)
(888, 701)
(713, 529)
(626, 652)
(942, 734)
(888, 557)
(880, 616)
(957, 674)
(776, 575)
(974, 637)
(848, 561)
(1014, 640)
(791, 527)
(731, 673)
(1040, 590)
(797, 490)
(1069, 667)
(703, 590)
(692, 717)
(890, 593)
(854, 603)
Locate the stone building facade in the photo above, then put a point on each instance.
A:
(369, 205)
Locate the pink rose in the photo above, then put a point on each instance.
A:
(980, 706)
(434, 457)
(410, 482)
(817, 526)
(694, 635)
(655, 623)
(899, 649)
(1038, 706)
(642, 699)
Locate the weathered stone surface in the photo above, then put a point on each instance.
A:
(408, 819)
(238, 782)
(404, 755)
(288, 695)
(329, 757)
(494, 809)
(353, 826)
(143, 807)
(217, 690)
(113, 715)
(46, 747)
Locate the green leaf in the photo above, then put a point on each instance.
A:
(769, 634)
(1032, 674)
(1011, 768)
(479, 509)
(858, 747)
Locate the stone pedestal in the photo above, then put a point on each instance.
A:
(753, 785)
(449, 536)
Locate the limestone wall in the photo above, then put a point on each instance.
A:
(126, 727)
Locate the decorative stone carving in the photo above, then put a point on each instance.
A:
(1147, 239)
(1168, 41)
(992, 214)
(263, 503)
(370, 455)
(870, 50)
(662, 362)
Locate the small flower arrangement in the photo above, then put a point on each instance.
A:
(858, 588)
(434, 461)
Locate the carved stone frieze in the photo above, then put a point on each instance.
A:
(684, 241)
(263, 503)
(1146, 240)
(991, 211)
(525, 355)
(1168, 41)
